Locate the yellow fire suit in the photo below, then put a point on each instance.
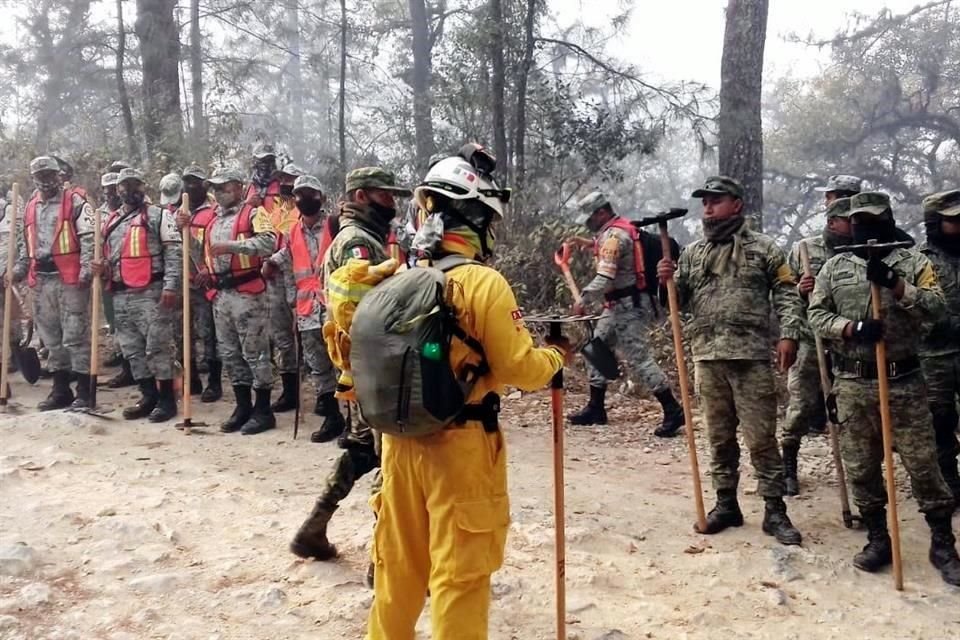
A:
(443, 511)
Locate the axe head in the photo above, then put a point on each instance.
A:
(663, 216)
(873, 245)
(562, 255)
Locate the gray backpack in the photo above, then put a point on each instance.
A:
(400, 353)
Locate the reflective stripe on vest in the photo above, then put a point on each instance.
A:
(136, 261)
(638, 266)
(65, 251)
(240, 265)
(306, 272)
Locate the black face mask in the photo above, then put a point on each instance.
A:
(309, 207)
(286, 190)
(133, 199)
(197, 195)
(383, 214)
(833, 239)
(879, 229)
(949, 242)
(48, 188)
(263, 173)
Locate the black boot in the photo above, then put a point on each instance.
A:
(945, 431)
(241, 412)
(333, 424)
(122, 379)
(594, 412)
(196, 384)
(725, 514)
(311, 539)
(147, 401)
(943, 553)
(166, 403)
(82, 400)
(289, 396)
(878, 553)
(214, 390)
(60, 396)
(672, 415)
(262, 418)
(791, 484)
(776, 523)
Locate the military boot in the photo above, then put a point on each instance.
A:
(944, 428)
(262, 418)
(878, 553)
(289, 396)
(311, 539)
(214, 390)
(241, 413)
(147, 401)
(943, 554)
(196, 384)
(725, 514)
(122, 379)
(790, 481)
(776, 523)
(672, 415)
(82, 400)
(166, 403)
(594, 412)
(60, 396)
(333, 423)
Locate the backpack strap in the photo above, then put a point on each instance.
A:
(471, 373)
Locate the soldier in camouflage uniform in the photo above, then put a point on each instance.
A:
(234, 242)
(840, 311)
(805, 413)
(619, 282)
(54, 254)
(940, 349)
(142, 264)
(111, 202)
(5, 217)
(728, 282)
(365, 218)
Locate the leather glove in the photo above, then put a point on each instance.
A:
(868, 331)
(832, 409)
(878, 272)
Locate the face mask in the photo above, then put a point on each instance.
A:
(833, 239)
(225, 199)
(286, 190)
(133, 198)
(879, 229)
(197, 195)
(721, 229)
(595, 223)
(48, 187)
(309, 206)
(383, 214)
(263, 172)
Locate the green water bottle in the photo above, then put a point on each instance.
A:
(432, 351)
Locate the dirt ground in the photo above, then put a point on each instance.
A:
(128, 530)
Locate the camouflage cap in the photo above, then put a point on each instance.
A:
(129, 174)
(839, 208)
(118, 165)
(109, 179)
(374, 178)
(291, 169)
(171, 186)
(307, 182)
(842, 182)
(871, 203)
(264, 150)
(946, 203)
(44, 163)
(223, 175)
(194, 171)
(719, 186)
(589, 204)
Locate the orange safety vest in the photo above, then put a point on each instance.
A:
(66, 244)
(638, 267)
(307, 273)
(268, 196)
(136, 261)
(243, 268)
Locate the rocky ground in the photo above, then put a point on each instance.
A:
(123, 531)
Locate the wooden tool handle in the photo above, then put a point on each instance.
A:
(8, 296)
(187, 324)
(556, 402)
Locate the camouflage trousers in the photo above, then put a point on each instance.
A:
(315, 355)
(624, 328)
(354, 462)
(806, 398)
(204, 331)
(62, 317)
(861, 441)
(281, 327)
(242, 321)
(145, 331)
(741, 392)
(942, 374)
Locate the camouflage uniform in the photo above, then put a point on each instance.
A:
(201, 308)
(282, 215)
(15, 331)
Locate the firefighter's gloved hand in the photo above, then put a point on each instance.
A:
(880, 273)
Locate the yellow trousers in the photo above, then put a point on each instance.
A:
(442, 520)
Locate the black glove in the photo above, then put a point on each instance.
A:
(868, 331)
(880, 273)
(832, 409)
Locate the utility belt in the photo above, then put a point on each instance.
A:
(487, 413)
(867, 369)
(45, 265)
(616, 295)
(119, 286)
(228, 281)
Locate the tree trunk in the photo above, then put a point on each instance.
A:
(422, 119)
(498, 83)
(740, 130)
(160, 53)
(196, 75)
(342, 98)
(519, 137)
(122, 94)
(296, 83)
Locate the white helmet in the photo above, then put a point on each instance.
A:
(457, 179)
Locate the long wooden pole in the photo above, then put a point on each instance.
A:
(8, 298)
(886, 424)
(682, 373)
(96, 288)
(187, 324)
(559, 513)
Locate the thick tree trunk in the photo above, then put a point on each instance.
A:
(422, 118)
(296, 83)
(122, 93)
(498, 84)
(160, 53)
(520, 134)
(196, 75)
(342, 98)
(741, 76)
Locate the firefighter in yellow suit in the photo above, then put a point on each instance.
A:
(443, 511)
